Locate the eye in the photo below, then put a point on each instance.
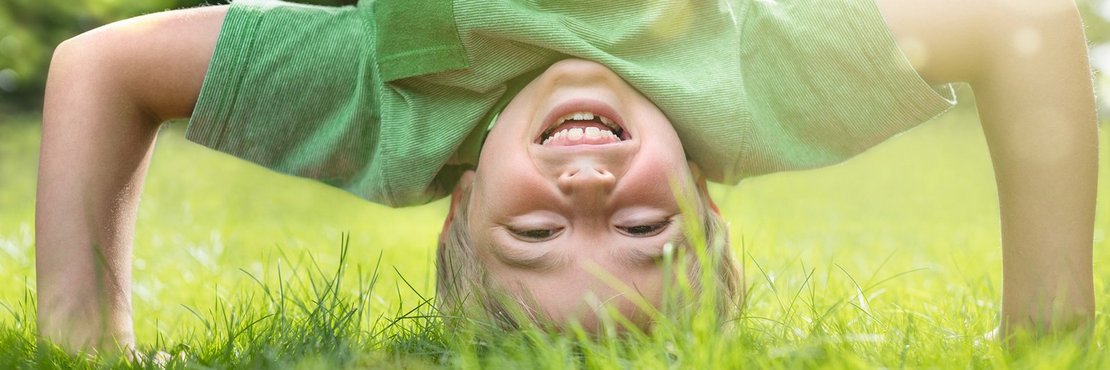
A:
(643, 231)
(536, 235)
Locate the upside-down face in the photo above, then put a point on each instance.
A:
(575, 195)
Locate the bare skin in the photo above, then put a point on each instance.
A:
(1026, 61)
(110, 88)
(107, 92)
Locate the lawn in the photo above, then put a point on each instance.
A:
(891, 259)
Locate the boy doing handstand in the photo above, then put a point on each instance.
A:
(565, 129)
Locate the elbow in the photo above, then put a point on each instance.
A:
(90, 55)
(1035, 28)
(1028, 37)
(84, 68)
(77, 55)
(74, 60)
(64, 77)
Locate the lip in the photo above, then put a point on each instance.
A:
(582, 105)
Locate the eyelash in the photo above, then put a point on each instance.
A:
(652, 229)
(637, 231)
(531, 235)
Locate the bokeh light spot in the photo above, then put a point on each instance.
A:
(9, 80)
(1027, 41)
(1034, 7)
(9, 45)
(915, 51)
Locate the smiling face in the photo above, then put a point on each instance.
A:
(575, 182)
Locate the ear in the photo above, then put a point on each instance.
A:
(465, 182)
(703, 185)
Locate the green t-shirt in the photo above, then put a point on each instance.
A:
(391, 99)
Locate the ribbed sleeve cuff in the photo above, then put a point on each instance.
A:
(827, 81)
(916, 100)
(224, 77)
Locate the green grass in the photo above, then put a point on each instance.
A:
(889, 260)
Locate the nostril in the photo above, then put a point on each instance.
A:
(566, 179)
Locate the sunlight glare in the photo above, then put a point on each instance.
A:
(1027, 41)
(915, 51)
(1035, 7)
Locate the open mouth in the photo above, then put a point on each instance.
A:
(583, 128)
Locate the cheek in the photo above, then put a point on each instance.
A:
(513, 193)
(652, 181)
(506, 181)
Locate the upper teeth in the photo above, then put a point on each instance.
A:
(577, 133)
(587, 116)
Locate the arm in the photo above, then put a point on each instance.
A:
(107, 91)
(1026, 61)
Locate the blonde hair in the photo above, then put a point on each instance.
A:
(465, 290)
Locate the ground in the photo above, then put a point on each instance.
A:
(889, 260)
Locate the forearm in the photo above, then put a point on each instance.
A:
(1046, 190)
(1036, 104)
(107, 91)
(96, 142)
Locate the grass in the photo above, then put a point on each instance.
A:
(889, 260)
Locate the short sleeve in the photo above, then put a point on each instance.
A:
(328, 94)
(825, 80)
(286, 90)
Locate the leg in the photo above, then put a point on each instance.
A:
(1026, 60)
(107, 92)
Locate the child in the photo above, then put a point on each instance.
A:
(595, 109)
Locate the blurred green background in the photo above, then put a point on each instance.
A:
(30, 29)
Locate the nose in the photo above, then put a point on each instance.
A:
(586, 180)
